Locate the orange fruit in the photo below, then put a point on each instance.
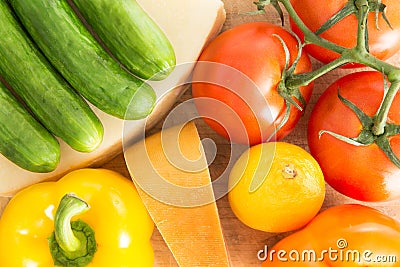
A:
(276, 187)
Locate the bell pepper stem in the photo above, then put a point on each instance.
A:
(72, 243)
(69, 207)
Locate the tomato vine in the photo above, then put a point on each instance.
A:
(378, 125)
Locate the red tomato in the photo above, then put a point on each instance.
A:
(241, 101)
(342, 236)
(383, 43)
(360, 172)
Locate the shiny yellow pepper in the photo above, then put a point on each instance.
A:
(90, 217)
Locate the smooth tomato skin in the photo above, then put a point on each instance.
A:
(383, 43)
(360, 172)
(344, 228)
(253, 50)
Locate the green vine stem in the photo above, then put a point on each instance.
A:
(309, 36)
(362, 33)
(358, 54)
(302, 79)
(381, 117)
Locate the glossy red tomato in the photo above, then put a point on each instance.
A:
(349, 235)
(235, 82)
(361, 172)
(383, 43)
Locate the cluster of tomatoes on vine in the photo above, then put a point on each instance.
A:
(353, 130)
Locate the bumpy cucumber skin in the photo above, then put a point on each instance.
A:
(71, 48)
(131, 36)
(53, 101)
(23, 140)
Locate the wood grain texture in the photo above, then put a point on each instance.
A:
(244, 243)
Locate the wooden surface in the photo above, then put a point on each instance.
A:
(244, 243)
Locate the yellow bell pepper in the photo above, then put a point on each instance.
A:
(90, 217)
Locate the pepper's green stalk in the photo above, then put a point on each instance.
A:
(68, 208)
(72, 243)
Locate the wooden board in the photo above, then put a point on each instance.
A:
(244, 243)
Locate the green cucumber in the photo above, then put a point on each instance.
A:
(23, 140)
(83, 62)
(53, 101)
(131, 36)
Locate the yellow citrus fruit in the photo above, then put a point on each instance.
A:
(276, 187)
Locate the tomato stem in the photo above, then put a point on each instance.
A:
(358, 54)
(382, 115)
(362, 33)
(367, 137)
(303, 79)
(309, 36)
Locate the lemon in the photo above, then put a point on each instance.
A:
(276, 187)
